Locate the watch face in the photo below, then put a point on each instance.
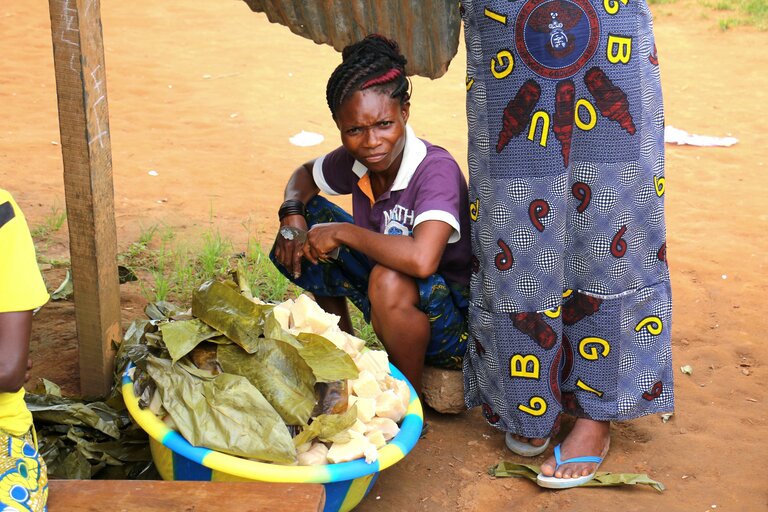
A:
(287, 233)
(291, 233)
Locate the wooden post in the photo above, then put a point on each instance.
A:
(85, 145)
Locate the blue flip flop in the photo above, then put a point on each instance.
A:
(524, 449)
(552, 482)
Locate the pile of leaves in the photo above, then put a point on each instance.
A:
(227, 376)
(79, 439)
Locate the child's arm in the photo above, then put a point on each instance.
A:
(15, 329)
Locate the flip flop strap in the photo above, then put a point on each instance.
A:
(588, 458)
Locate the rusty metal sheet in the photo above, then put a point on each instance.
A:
(426, 30)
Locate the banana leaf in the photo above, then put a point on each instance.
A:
(279, 372)
(65, 411)
(79, 439)
(220, 340)
(273, 329)
(162, 310)
(326, 426)
(239, 275)
(181, 337)
(235, 316)
(329, 362)
(602, 478)
(135, 332)
(63, 462)
(133, 348)
(226, 413)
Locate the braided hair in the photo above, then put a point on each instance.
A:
(372, 62)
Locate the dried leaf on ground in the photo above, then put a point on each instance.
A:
(602, 478)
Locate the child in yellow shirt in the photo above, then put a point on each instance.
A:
(23, 477)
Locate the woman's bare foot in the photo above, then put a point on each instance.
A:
(588, 437)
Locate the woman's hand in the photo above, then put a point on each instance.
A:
(289, 252)
(322, 239)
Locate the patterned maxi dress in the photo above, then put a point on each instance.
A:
(570, 299)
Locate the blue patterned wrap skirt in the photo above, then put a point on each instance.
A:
(570, 307)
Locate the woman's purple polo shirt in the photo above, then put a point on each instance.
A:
(429, 186)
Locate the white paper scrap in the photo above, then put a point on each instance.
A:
(305, 139)
(680, 137)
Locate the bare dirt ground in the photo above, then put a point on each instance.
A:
(207, 95)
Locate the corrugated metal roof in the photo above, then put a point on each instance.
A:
(426, 30)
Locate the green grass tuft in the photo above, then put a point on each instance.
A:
(171, 269)
(51, 224)
(740, 12)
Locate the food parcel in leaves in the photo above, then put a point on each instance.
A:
(274, 383)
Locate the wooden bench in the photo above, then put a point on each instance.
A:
(161, 496)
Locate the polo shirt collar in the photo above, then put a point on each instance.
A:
(413, 154)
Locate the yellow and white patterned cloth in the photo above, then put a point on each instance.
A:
(23, 478)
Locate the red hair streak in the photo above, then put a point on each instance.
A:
(383, 79)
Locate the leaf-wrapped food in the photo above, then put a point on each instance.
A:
(224, 309)
(279, 372)
(329, 362)
(226, 413)
(182, 336)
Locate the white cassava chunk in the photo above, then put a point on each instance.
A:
(356, 343)
(371, 452)
(315, 456)
(366, 385)
(304, 447)
(389, 405)
(359, 426)
(366, 407)
(282, 314)
(375, 361)
(376, 437)
(308, 316)
(386, 426)
(322, 322)
(339, 338)
(357, 446)
(400, 388)
(403, 392)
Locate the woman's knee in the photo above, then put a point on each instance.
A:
(385, 284)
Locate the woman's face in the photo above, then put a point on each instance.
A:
(372, 127)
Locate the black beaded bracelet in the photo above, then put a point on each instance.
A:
(291, 207)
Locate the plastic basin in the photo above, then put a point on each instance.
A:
(346, 483)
